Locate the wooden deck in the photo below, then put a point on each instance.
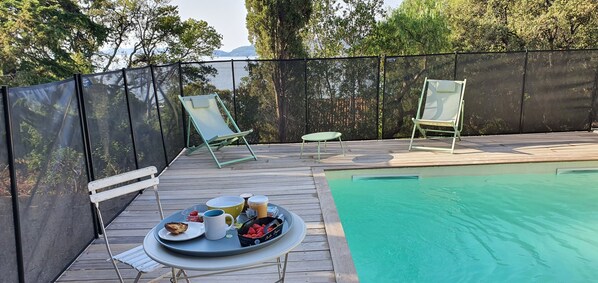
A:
(299, 185)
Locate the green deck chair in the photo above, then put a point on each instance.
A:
(204, 113)
(442, 102)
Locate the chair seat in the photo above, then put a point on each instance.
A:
(447, 123)
(230, 136)
(138, 259)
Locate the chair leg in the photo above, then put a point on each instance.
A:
(214, 156)
(249, 148)
(185, 274)
(342, 148)
(454, 140)
(412, 136)
(188, 131)
(138, 277)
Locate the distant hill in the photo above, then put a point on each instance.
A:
(243, 51)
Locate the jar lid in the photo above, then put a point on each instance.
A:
(258, 199)
(246, 195)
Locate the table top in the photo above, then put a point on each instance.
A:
(169, 258)
(321, 136)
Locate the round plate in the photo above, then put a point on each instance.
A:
(194, 230)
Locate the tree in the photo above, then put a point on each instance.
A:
(503, 25)
(559, 24)
(153, 33)
(275, 28)
(338, 27)
(45, 40)
(416, 27)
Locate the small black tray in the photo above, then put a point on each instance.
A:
(247, 241)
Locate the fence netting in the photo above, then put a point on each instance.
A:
(54, 209)
(8, 262)
(559, 89)
(343, 97)
(270, 99)
(170, 109)
(109, 131)
(144, 114)
(506, 93)
(492, 93)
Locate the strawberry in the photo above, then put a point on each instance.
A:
(194, 213)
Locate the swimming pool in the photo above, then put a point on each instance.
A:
(484, 223)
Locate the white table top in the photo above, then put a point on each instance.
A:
(169, 258)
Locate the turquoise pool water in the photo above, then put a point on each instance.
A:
(487, 228)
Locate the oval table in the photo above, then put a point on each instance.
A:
(220, 264)
(321, 137)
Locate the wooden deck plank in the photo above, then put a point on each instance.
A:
(298, 184)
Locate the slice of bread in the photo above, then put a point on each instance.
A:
(176, 228)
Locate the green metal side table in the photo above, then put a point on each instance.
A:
(321, 137)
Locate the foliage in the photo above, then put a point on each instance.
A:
(338, 27)
(45, 40)
(275, 27)
(154, 32)
(416, 27)
(504, 25)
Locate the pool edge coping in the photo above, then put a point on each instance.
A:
(342, 260)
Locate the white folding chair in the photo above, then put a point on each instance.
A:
(119, 185)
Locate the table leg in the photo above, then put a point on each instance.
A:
(318, 150)
(302, 143)
(284, 268)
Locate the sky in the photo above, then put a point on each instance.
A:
(228, 18)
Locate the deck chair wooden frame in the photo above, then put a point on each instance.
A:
(205, 114)
(440, 106)
(119, 185)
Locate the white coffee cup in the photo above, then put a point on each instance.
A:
(215, 223)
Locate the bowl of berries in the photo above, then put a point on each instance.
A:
(257, 231)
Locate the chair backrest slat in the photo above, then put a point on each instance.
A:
(121, 178)
(120, 191)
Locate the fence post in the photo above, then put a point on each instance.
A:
(455, 66)
(378, 132)
(383, 94)
(593, 109)
(521, 112)
(126, 85)
(306, 97)
(155, 86)
(86, 145)
(182, 94)
(232, 70)
(13, 184)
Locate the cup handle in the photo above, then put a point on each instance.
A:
(232, 222)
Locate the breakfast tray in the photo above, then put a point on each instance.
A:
(229, 245)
